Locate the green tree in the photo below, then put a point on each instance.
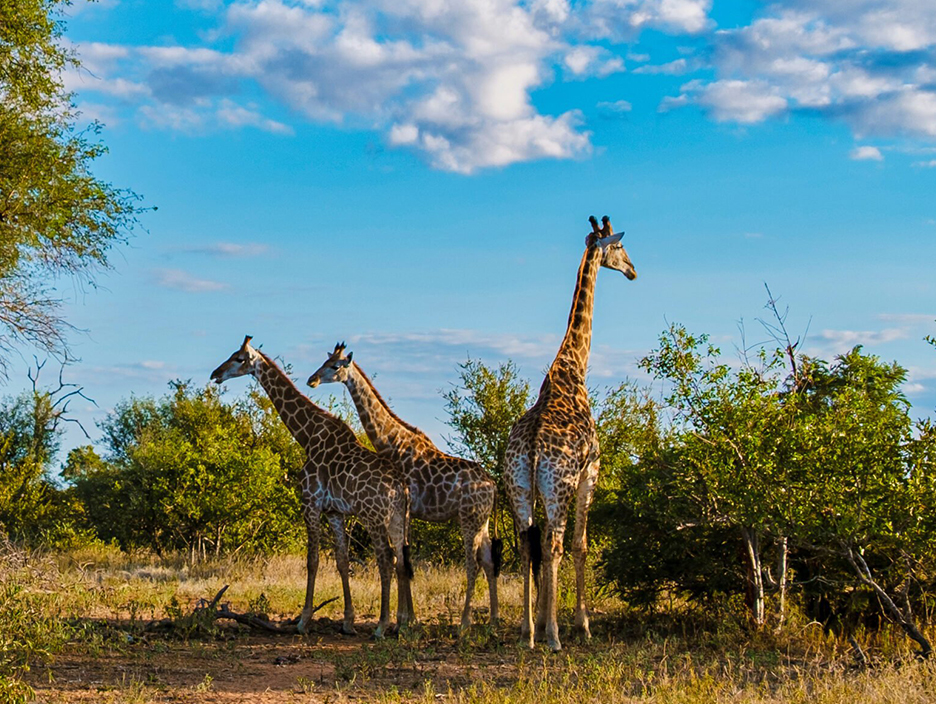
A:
(31, 426)
(866, 482)
(730, 426)
(191, 472)
(56, 218)
(482, 408)
(645, 517)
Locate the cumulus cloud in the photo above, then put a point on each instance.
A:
(451, 79)
(870, 63)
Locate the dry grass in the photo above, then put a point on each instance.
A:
(680, 657)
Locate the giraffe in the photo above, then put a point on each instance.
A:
(340, 478)
(552, 451)
(441, 487)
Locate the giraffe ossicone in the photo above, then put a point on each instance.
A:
(340, 478)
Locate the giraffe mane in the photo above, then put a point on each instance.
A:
(305, 400)
(409, 426)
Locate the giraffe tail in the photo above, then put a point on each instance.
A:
(407, 563)
(497, 554)
(535, 545)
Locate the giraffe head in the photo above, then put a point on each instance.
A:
(335, 369)
(246, 360)
(613, 254)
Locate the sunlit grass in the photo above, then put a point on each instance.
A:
(683, 654)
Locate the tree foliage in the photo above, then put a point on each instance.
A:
(482, 408)
(56, 218)
(191, 472)
(779, 460)
(32, 506)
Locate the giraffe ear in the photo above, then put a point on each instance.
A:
(350, 355)
(606, 242)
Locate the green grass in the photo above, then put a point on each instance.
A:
(90, 606)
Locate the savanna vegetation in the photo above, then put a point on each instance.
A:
(763, 530)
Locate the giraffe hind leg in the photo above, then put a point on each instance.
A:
(311, 517)
(583, 501)
(472, 546)
(489, 555)
(341, 558)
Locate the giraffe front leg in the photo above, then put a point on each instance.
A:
(337, 522)
(311, 517)
(583, 501)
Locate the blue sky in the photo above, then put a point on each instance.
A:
(414, 177)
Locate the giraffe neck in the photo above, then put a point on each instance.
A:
(572, 358)
(385, 429)
(304, 420)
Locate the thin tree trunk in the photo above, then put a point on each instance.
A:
(755, 575)
(904, 617)
(782, 579)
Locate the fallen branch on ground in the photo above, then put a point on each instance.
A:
(206, 612)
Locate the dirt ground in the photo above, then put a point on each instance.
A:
(239, 666)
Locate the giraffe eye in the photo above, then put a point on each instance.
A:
(335, 367)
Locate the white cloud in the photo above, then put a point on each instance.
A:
(870, 63)
(618, 106)
(451, 79)
(866, 153)
(846, 339)
(584, 61)
(464, 342)
(621, 19)
(673, 68)
(179, 280)
(234, 115)
(931, 164)
(738, 101)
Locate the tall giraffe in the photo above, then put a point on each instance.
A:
(552, 451)
(340, 478)
(441, 487)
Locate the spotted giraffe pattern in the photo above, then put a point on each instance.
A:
(553, 455)
(340, 478)
(441, 487)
